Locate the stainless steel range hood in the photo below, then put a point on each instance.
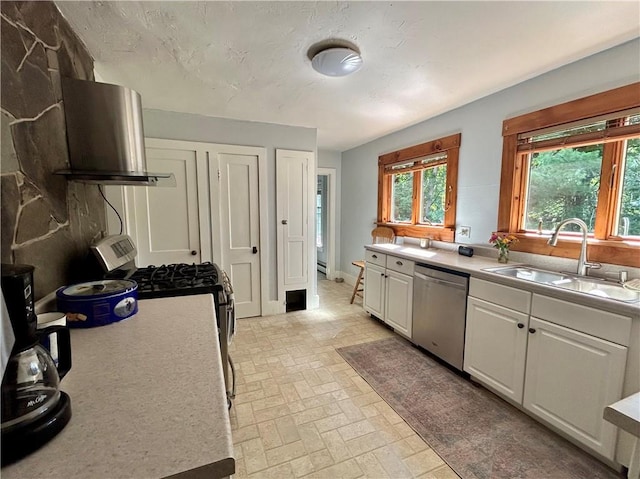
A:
(105, 135)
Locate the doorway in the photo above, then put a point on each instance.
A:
(325, 221)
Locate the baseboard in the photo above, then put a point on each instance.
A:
(313, 301)
(349, 279)
(271, 308)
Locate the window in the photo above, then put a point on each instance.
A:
(417, 189)
(580, 159)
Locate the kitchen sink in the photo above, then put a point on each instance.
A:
(581, 284)
(531, 274)
(603, 290)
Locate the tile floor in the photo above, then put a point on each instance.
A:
(301, 411)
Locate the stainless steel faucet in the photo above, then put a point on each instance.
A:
(583, 264)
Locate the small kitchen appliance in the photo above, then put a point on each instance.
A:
(97, 303)
(34, 409)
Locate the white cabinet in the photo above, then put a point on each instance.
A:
(496, 336)
(575, 358)
(571, 377)
(388, 290)
(571, 374)
(496, 346)
(398, 302)
(374, 291)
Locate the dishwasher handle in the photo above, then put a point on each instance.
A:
(439, 281)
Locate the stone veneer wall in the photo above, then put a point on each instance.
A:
(46, 221)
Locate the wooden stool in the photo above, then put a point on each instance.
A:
(357, 290)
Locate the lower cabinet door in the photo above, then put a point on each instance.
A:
(570, 378)
(496, 347)
(399, 304)
(374, 290)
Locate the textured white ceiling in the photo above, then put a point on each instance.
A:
(248, 60)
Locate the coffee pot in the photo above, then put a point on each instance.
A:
(34, 409)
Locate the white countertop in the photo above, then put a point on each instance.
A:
(625, 414)
(147, 399)
(476, 265)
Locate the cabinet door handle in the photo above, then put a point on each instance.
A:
(374, 256)
(399, 263)
(254, 250)
(532, 330)
(382, 274)
(284, 222)
(520, 325)
(194, 252)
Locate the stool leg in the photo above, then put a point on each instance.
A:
(355, 288)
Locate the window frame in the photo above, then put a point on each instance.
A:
(449, 145)
(603, 246)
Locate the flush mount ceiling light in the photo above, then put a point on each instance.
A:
(336, 61)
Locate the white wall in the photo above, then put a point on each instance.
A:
(189, 127)
(480, 123)
(333, 159)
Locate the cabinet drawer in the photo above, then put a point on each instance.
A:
(601, 324)
(400, 265)
(376, 258)
(506, 296)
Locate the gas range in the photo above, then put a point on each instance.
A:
(180, 279)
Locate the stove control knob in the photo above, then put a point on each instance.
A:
(194, 252)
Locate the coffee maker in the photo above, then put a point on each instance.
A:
(34, 409)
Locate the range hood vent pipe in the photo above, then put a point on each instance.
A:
(105, 135)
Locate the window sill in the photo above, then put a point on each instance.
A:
(620, 252)
(438, 233)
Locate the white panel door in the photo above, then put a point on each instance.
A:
(570, 378)
(292, 200)
(496, 347)
(240, 229)
(166, 219)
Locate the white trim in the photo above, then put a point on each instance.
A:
(314, 302)
(331, 220)
(273, 307)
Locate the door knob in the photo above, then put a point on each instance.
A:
(254, 249)
(194, 252)
(284, 222)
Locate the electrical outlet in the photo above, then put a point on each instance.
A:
(464, 232)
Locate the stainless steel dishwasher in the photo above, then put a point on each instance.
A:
(439, 312)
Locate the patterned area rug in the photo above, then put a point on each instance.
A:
(479, 435)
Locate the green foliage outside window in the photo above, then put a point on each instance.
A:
(402, 195)
(434, 181)
(629, 217)
(564, 184)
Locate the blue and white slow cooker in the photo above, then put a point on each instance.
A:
(98, 302)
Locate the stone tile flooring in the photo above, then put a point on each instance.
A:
(301, 411)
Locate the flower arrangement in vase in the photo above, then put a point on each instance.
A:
(502, 242)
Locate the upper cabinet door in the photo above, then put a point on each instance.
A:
(166, 219)
(292, 207)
